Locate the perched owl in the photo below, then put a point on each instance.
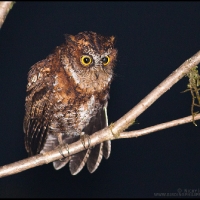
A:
(67, 94)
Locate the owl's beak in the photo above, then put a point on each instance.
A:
(96, 74)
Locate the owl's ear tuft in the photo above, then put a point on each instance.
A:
(112, 39)
(69, 38)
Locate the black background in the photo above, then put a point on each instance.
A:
(153, 39)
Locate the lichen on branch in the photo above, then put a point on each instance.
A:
(194, 87)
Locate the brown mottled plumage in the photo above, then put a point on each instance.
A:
(67, 94)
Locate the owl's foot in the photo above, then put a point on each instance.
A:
(84, 136)
(60, 147)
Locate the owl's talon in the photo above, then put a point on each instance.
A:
(83, 136)
(60, 146)
(60, 151)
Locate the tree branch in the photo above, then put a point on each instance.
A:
(165, 85)
(76, 147)
(114, 131)
(5, 7)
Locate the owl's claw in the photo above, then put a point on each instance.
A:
(61, 152)
(60, 146)
(83, 136)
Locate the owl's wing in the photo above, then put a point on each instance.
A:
(37, 108)
(92, 156)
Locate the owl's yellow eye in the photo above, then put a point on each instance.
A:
(105, 60)
(86, 60)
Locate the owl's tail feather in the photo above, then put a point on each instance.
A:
(92, 156)
(96, 155)
(58, 164)
(95, 158)
(78, 161)
(106, 149)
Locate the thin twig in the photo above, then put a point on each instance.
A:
(110, 132)
(158, 127)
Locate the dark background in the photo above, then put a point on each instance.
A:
(153, 39)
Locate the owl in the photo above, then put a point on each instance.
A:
(67, 95)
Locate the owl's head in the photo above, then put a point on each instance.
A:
(89, 59)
